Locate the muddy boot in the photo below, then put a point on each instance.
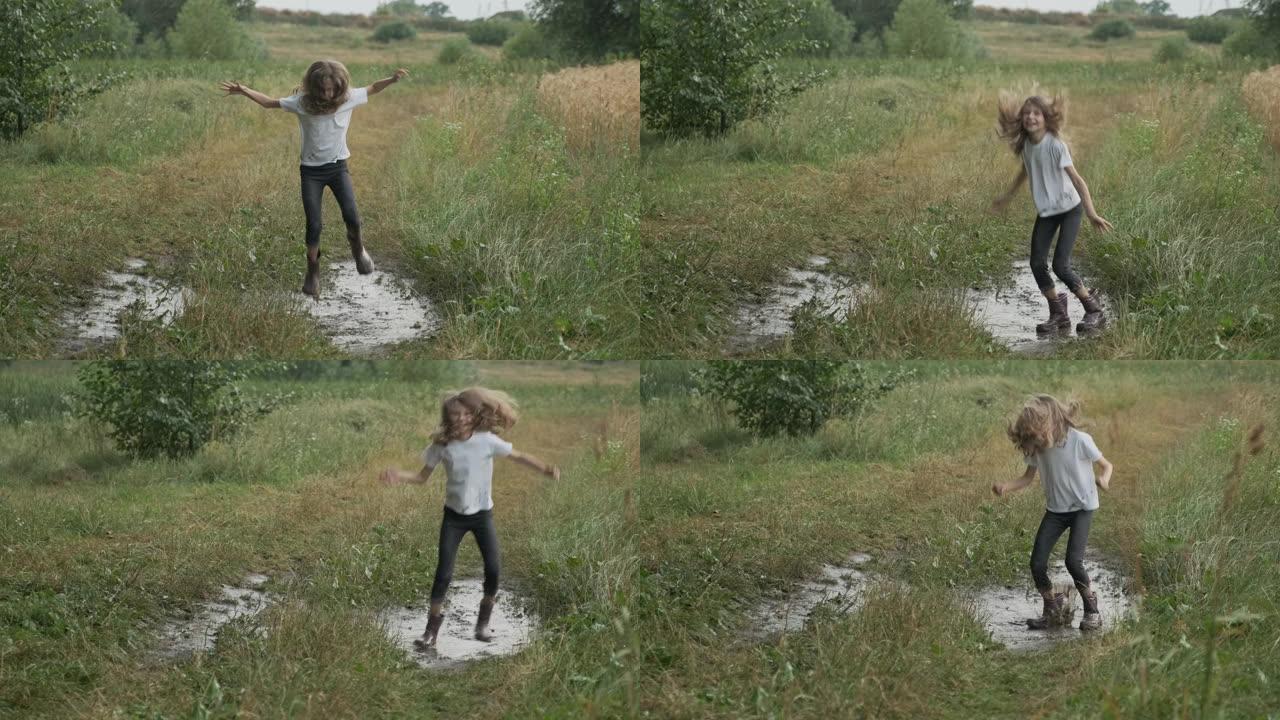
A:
(482, 620)
(1058, 319)
(1051, 616)
(311, 285)
(1092, 617)
(1093, 317)
(364, 263)
(428, 639)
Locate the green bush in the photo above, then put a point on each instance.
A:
(822, 31)
(1112, 30)
(1209, 29)
(925, 29)
(165, 407)
(454, 51)
(115, 34)
(1250, 42)
(1173, 49)
(398, 30)
(208, 30)
(529, 43)
(489, 32)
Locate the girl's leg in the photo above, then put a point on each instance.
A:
(345, 192)
(1051, 528)
(1041, 240)
(1070, 227)
(312, 191)
(1076, 543)
(487, 539)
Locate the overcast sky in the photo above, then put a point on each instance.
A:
(461, 9)
(1185, 8)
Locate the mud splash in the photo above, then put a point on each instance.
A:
(98, 323)
(761, 322)
(839, 586)
(1011, 314)
(197, 633)
(366, 313)
(512, 626)
(1004, 610)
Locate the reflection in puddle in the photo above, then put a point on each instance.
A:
(364, 313)
(1011, 314)
(199, 632)
(99, 321)
(840, 586)
(760, 322)
(512, 626)
(1004, 610)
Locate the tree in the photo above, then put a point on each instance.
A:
(924, 29)
(591, 29)
(402, 8)
(1156, 7)
(875, 16)
(436, 10)
(156, 17)
(1266, 15)
(208, 29)
(39, 41)
(1122, 7)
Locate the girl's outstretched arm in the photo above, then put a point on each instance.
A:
(530, 461)
(1002, 201)
(382, 84)
(392, 476)
(235, 88)
(1001, 488)
(1104, 480)
(1099, 222)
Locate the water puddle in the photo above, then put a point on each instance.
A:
(1011, 314)
(512, 626)
(1004, 610)
(98, 322)
(183, 637)
(365, 313)
(763, 321)
(837, 587)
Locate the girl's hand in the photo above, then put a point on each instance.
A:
(399, 73)
(553, 472)
(232, 88)
(998, 489)
(390, 476)
(1100, 223)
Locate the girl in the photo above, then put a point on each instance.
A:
(1059, 193)
(324, 108)
(1046, 433)
(466, 442)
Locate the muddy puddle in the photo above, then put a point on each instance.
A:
(365, 313)
(98, 322)
(1004, 610)
(1011, 314)
(512, 625)
(768, 319)
(839, 587)
(198, 632)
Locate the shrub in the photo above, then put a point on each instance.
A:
(589, 30)
(529, 43)
(925, 29)
(454, 51)
(1173, 49)
(1250, 42)
(208, 30)
(489, 32)
(398, 30)
(1112, 30)
(1209, 29)
(821, 32)
(115, 35)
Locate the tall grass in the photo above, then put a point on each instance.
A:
(599, 107)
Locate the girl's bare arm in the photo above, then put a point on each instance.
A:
(382, 84)
(1104, 480)
(392, 476)
(1098, 221)
(532, 462)
(235, 88)
(1002, 201)
(1001, 488)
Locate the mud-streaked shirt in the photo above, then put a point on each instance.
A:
(1066, 472)
(1046, 165)
(468, 465)
(324, 137)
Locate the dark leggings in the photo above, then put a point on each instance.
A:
(1042, 239)
(1051, 528)
(334, 175)
(453, 528)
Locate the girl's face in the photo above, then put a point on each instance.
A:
(326, 88)
(459, 415)
(1032, 119)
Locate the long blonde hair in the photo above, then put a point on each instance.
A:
(1043, 422)
(491, 411)
(1009, 117)
(313, 99)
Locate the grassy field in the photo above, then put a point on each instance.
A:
(517, 221)
(99, 548)
(729, 519)
(889, 168)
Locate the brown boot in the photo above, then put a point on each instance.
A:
(482, 620)
(1093, 317)
(364, 263)
(1058, 319)
(428, 639)
(1092, 616)
(1052, 615)
(311, 285)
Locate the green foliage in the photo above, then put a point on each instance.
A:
(1120, 7)
(401, 8)
(1173, 49)
(590, 29)
(1112, 30)
(454, 51)
(1155, 7)
(41, 39)
(708, 66)
(208, 30)
(157, 17)
(795, 397)
(822, 32)
(115, 33)
(1209, 29)
(398, 30)
(874, 17)
(1266, 15)
(489, 32)
(165, 407)
(925, 29)
(529, 43)
(1250, 41)
(436, 10)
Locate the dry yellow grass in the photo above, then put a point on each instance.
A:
(1262, 93)
(599, 106)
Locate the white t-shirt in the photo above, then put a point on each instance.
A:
(324, 137)
(468, 465)
(1066, 471)
(1046, 164)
